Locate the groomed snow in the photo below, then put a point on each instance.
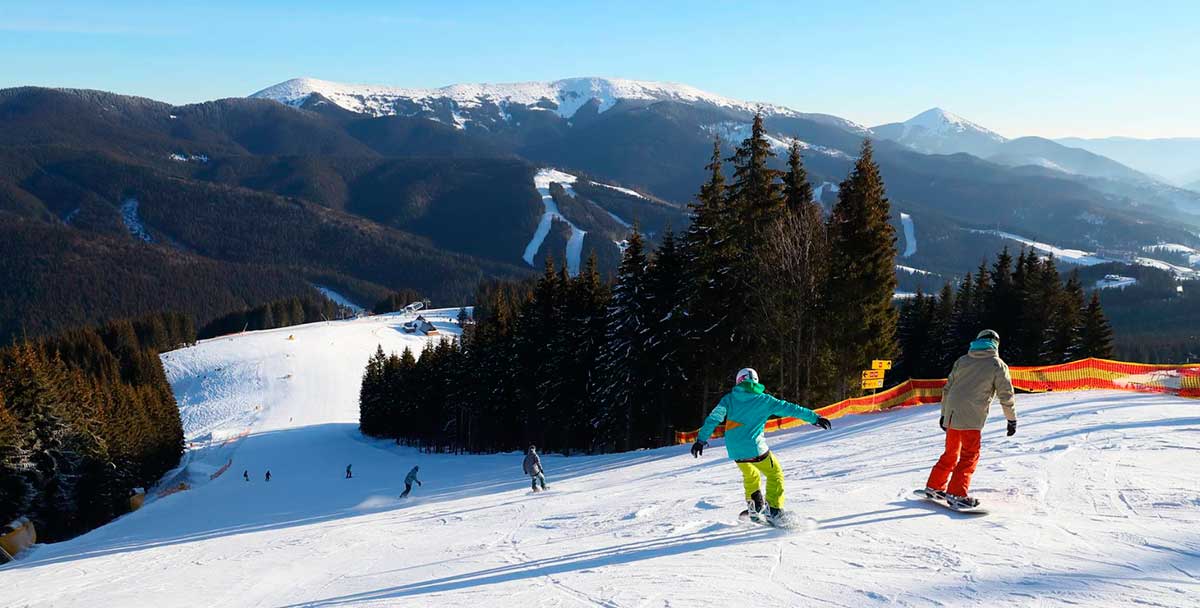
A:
(1083, 258)
(1092, 504)
(910, 235)
(542, 180)
(619, 189)
(339, 299)
(1071, 256)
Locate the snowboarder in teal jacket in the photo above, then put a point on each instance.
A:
(745, 411)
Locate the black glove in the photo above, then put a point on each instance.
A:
(1012, 428)
(823, 422)
(942, 422)
(698, 448)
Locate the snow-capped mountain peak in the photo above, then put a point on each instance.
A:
(564, 97)
(936, 131)
(937, 120)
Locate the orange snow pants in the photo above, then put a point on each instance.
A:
(957, 463)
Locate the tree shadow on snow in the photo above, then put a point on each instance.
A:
(559, 564)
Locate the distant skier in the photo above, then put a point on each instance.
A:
(745, 410)
(410, 479)
(976, 377)
(246, 475)
(533, 468)
(349, 475)
(268, 475)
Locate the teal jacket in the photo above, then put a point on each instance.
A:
(746, 409)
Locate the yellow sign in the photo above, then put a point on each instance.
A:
(873, 374)
(881, 364)
(872, 384)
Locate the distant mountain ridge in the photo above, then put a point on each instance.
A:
(455, 104)
(1173, 159)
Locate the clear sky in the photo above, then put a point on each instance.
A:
(1051, 68)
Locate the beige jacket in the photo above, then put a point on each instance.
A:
(977, 376)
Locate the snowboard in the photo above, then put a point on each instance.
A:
(920, 493)
(789, 521)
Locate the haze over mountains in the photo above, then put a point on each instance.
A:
(368, 188)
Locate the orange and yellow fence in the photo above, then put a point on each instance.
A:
(1085, 374)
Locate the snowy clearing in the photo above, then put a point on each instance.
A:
(542, 180)
(1091, 504)
(1115, 282)
(911, 270)
(1083, 258)
(832, 187)
(339, 299)
(133, 222)
(1071, 256)
(626, 191)
(910, 235)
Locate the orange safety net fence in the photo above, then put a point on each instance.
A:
(1085, 374)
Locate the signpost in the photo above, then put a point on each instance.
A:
(872, 379)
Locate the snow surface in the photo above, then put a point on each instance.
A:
(821, 189)
(1071, 256)
(568, 95)
(733, 133)
(542, 180)
(1092, 504)
(1084, 258)
(910, 235)
(133, 222)
(911, 270)
(940, 122)
(1116, 282)
(339, 299)
(619, 189)
(1192, 254)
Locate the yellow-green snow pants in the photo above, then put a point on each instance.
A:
(753, 472)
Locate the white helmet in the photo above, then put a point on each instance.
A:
(746, 373)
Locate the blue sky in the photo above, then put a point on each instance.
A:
(1021, 68)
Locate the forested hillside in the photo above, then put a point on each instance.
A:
(85, 417)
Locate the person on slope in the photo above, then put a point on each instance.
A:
(745, 409)
(533, 468)
(349, 474)
(410, 479)
(976, 377)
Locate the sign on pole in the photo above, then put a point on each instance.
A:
(872, 374)
(869, 384)
(881, 364)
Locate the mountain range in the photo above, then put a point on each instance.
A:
(123, 204)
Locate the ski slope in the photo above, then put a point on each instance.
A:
(1094, 502)
(541, 181)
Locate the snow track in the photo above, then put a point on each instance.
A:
(910, 235)
(1092, 503)
(542, 180)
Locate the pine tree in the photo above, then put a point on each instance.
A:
(713, 295)
(862, 277)
(1066, 322)
(1096, 335)
(666, 340)
(624, 361)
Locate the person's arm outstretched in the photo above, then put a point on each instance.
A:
(779, 407)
